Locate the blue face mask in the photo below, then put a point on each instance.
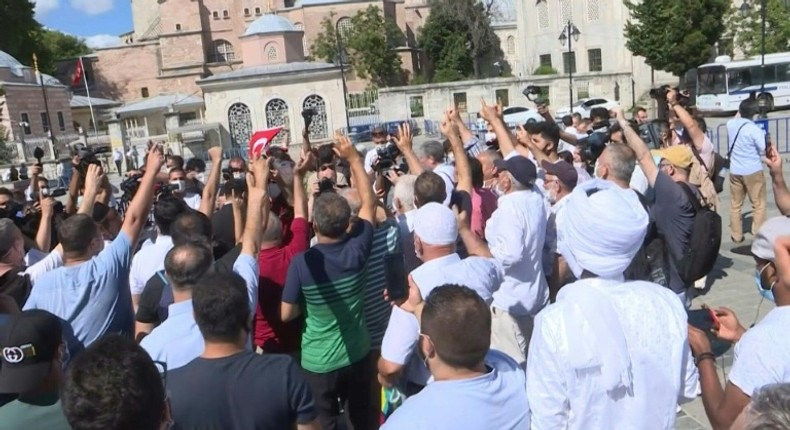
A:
(767, 294)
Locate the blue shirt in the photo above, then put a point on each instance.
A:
(178, 341)
(747, 152)
(91, 298)
(495, 400)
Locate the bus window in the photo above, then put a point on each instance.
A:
(711, 80)
(738, 79)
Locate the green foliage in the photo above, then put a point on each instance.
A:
(545, 70)
(21, 36)
(746, 30)
(458, 41)
(370, 46)
(675, 35)
(6, 153)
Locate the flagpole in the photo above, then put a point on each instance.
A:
(50, 133)
(90, 104)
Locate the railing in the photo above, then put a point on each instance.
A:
(779, 128)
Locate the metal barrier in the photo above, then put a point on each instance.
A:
(779, 128)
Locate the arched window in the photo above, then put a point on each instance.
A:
(511, 45)
(344, 26)
(240, 124)
(319, 127)
(221, 52)
(543, 15)
(277, 116)
(271, 52)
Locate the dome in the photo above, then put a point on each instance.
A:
(269, 23)
(9, 61)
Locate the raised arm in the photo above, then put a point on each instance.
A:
(696, 133)
(643, 155)
(300, 196)
(345, 150)
(257, 207)
(463, 131)
(44, 233)
(209, 198)
(237, 205)
(526, 141)
(74, 190)
(474, 245)
(781, 193)
(492, 114)
(93, 186)
(138, 209)
(462, 167)
(406, 146)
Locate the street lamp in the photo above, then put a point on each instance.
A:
(341, 60)
(570, 34)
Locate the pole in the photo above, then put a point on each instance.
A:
(50, 133)
(762, 100)
(90, 103)
(570, 67)
(342, 72)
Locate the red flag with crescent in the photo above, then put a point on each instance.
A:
(262, 140)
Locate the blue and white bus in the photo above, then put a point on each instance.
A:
(723, 84)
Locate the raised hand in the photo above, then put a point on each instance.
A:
(447, 126)
(215, 154)
(617, 113)
(261, 169)
(47, 205)
(729, 329)
(306, 163)
(344, 148)
(773, 160)
(93, 179)
(405, 139)
(488, 112)
(155, 159)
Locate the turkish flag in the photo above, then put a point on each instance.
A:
(261, 141)
(78, 72)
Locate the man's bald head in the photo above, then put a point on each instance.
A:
(187, 263)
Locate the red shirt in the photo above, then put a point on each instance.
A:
(270, 333)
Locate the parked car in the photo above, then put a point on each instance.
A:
(584, 106)
(520, 115)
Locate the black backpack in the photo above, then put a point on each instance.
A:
(703, 249)
(651, 262)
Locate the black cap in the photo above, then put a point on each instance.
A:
(29, 342)
(522, 169)
(564, 171)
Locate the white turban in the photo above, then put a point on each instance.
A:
(602, 227)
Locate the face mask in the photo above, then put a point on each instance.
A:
(181, 184)
(201, 177)
(767, 294)
(45, 192)
(490, 136)
(551, 194)
(498, 191)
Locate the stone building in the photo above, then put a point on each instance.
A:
(273, 87)
(23, 111)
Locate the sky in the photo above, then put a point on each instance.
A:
(99, 22)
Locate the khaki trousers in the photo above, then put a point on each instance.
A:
(740, 186)
(511, 334)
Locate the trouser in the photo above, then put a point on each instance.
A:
(348, 389)
(118, 166)
(685, 297)
(740, 186)
(511, 334)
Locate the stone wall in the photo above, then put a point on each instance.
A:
(29, 99)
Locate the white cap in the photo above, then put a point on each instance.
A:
(435, 224)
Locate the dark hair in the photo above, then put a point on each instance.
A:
(190, 226)
(6, 192)
(76, 233)
(234, 186)
(598, 114)
(331, 215)
(477, 172)
(639, 109)
(429, 187)
(533, 127)
(113, 385)
(186, 263)
(178, 162)
(176, 169)
(221, 306)
(325, 154)
(458, 322)
(567, 156)
(701, 123)
(749, 108)
(577, 115)
(166, 211)
(567, 120)
(551, 132)
(195, 165)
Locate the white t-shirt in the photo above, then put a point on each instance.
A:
(761, 356)
(494, 400)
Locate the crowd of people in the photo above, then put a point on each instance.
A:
(528, 279)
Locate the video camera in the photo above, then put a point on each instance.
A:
(591, 147)
(660, 94)
(387, 158)
(534, 94)
(87, 157)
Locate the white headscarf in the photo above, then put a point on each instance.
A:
(601, 232)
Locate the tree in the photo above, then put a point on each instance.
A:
(21, 36)
(6, 153)
(746, 31)
(369, 46)
(459, 42)
(675, 35)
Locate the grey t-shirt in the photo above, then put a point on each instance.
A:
(674, 214)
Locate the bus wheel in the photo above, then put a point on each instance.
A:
(767, 100)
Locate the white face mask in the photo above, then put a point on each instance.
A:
(490, 136)
(201, 177)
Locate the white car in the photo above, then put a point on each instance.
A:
(584, 106)
(514, 115)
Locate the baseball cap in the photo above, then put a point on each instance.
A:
(679, 155)
(435, 224)
(772, 229)
(521, 168)
(564, 171)
(29, 342)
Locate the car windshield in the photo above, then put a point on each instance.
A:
(511, 110)
(711, 80)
